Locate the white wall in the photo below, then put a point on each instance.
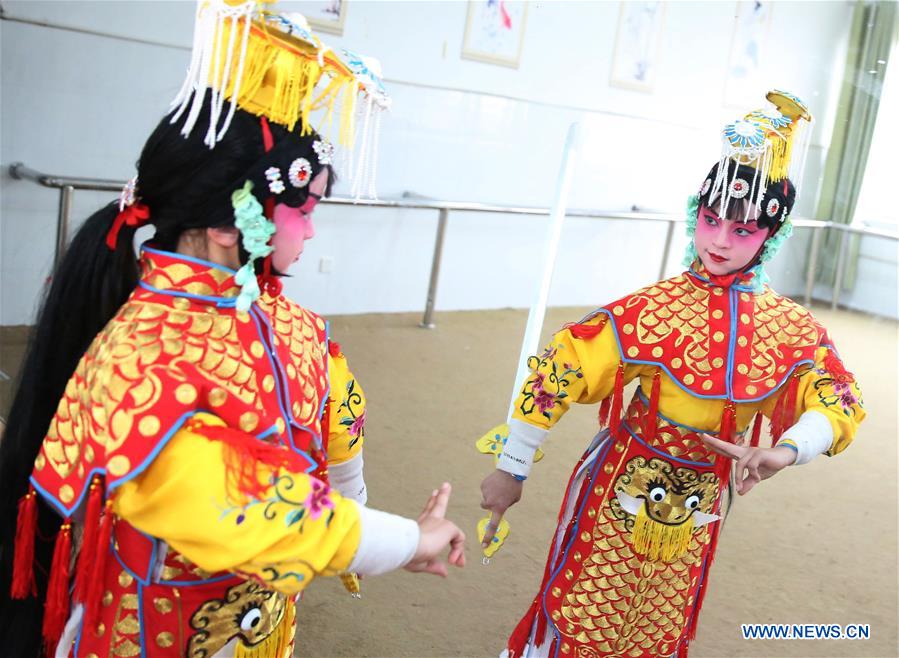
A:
(81, 91)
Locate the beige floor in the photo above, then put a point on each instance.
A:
(816, 544)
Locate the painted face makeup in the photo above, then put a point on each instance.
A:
(724, 245)
(293, 226)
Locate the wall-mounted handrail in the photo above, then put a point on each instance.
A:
(68, 184)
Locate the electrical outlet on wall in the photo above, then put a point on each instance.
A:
(325, 265)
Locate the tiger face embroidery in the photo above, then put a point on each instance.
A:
(662, 504)
(248, 611)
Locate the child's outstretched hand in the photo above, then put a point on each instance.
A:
(437, 533)
(752, 464)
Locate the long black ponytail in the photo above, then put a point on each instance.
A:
(89, 285)
(186, 185)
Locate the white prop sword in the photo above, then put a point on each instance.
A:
(491, 442)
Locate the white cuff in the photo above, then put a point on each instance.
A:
(387, 542)
(348, 478)
(518, 452)
(812, 434)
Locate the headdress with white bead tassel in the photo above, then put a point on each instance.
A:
(272, 65)
(773, 141)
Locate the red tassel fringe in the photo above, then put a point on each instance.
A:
(650, 421)
(604, 408)
(23, 558)
(756, 430)
(728, 422)
(243, 454)
(776, 414)
(57, 607)
(87, 556)
(588, 331)
(617, 402)
(785, 410)
(836, 370)
(95, 585)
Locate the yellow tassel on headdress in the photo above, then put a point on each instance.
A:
(279, 75)
(657, 540)
(782, 139)
(781, 152)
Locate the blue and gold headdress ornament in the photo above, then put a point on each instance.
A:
(763, 154)
(762, 159)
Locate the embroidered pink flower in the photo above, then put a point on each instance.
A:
(537, 384)
(318, 499)
(845, 395)
(544, 400)
(358, 424)
(549, 353)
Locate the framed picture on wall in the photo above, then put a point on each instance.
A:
(494, 31)
(325, 15)
(744, 85)
(636, 55)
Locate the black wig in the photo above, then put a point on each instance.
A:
(774, 201)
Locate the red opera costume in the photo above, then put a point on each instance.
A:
(715, 353)
(192, 454)
(178, 351)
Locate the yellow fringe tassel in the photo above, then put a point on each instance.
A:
(277, 82)
(279, 644)
(660, 541)
(348, 115)
(781, 152)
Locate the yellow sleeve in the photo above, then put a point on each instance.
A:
(298, 530)
(570, 370)
(834, 394)
(346, 433)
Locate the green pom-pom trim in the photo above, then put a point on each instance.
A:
(692, 214)
(255, 231)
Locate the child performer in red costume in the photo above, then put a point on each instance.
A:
(178, 416)
(715, 351)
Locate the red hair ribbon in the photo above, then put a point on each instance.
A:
(134, 215)
(269, 282)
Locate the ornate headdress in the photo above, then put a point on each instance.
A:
(762, 154)
(272, 65)
(762, 160)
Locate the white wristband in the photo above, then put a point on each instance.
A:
(387, 542)
(348, 478)
(812, 434)
(518, 453)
